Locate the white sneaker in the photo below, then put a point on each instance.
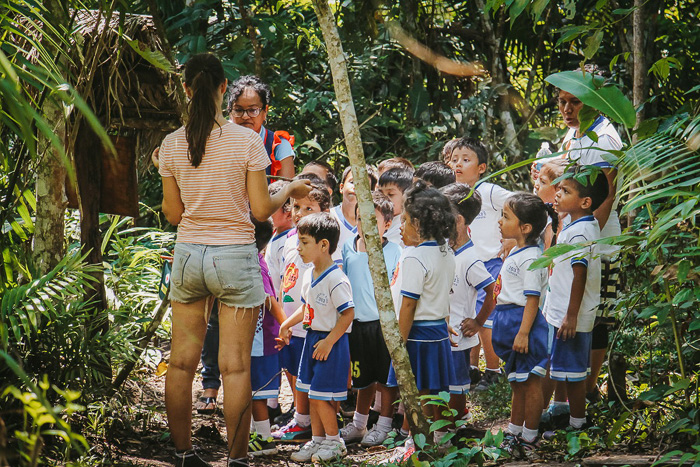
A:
(330, 449)
(351, 433)
(306, 452)
(374, 437)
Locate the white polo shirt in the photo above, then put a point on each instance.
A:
(325, 298)
(470, 277)
(347, 230)
(427, 273)
(484, 230)
(273, 257)
(516, 281)
(584, 229)
(393, 233)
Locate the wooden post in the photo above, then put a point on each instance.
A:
(382, 293)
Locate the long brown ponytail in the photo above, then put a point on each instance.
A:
(203, 74)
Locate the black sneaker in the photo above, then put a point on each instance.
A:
(488, 379)
(189, 458)
(474, 377)
(259, 446)
(283, 418)
(372, 418)
(273, 413)
(347, 407)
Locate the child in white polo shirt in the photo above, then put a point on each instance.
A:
(574, 285)
(327, 312)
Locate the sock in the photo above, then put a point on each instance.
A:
(403, 432)
(303, 420)
(273, 403)
(437, 436)
(318, 439)
(529, 435)
(497, 370)
(360, 420)
(577, 422)
(514, 429)
(384, 424)
(333, 438)
(262, 428)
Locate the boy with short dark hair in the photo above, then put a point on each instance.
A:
(327, 312)
(369, 355)
(436, 173)
(345, 213)
(324, 171)
(392, 184)
(574, 285)
(469, 161)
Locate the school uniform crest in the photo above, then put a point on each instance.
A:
(290, 277)
(497, 287)
(322, 299)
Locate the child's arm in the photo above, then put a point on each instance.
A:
(286, 328)
(276, 310)
(323, 347)
(472, 326)
(529, 315)
(406, 315)
(578, 286)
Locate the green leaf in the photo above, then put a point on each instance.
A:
(435, 426)
(694, 325)
(678, 386)
(538, 7)
(154, 57)
(516, 10)
(617, 426)
(591, 90)
(593, 44)
(419, 439)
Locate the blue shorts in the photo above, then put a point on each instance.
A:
(230, 273)
(460, 383)
(493, 266)
(290, 355)
(430, 353)
(265, 376)
(506, 324)
(571, 358)
(325, 380)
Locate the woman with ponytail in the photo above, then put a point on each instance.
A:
(213, 175)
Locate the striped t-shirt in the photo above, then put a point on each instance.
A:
(217, 211)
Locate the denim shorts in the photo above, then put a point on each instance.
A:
(230, 273)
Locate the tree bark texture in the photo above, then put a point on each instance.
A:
(638, 56)
(51, 200)
(387, 316)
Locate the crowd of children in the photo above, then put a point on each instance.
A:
(459, 253)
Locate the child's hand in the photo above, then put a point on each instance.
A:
(470, 327)
(568, 328)
(283, 339)
(322, 350)
(520, 343)
(507, 244)
(451, 332)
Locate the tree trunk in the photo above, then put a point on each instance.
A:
(51, 200)
(639, 74)
(387, 316)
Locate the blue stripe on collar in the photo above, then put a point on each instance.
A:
(348, 225)
(280, 235)
(523, 249)
(469, 244)
(582, 219)
(430, 243)
(324, 274)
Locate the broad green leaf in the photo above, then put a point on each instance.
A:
(154, 57)
(591, 90)
(593, 44)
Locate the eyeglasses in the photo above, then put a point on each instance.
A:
(252, 112)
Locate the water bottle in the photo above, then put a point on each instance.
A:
(543, 152)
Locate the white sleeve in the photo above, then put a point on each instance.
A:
(412, 277)
(499, 195)
(478, 276)
(341, 296)
(534, 280)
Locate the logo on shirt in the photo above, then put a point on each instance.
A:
(290, 277)
(308, 315)
(395, 276)
(513, 269)
(497, 287)
(322, 299)
(482, 215)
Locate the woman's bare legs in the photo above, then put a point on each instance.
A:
(236, 328)
(189, 328)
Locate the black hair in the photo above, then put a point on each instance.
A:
(321, 226)
(437, 173)
(263, 232)
(465, 205)
(432, 210)
(203, 73)
(402, 178)
(475, 145)
(371, 173)
(277, 186)
(331, 179)
(395, 162)
(249, 81)
(590, 182)
(530, 209)
(382, 203)
(318, 192)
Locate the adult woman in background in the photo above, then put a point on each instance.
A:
(213, 175)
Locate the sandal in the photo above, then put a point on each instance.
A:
(207, 406)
